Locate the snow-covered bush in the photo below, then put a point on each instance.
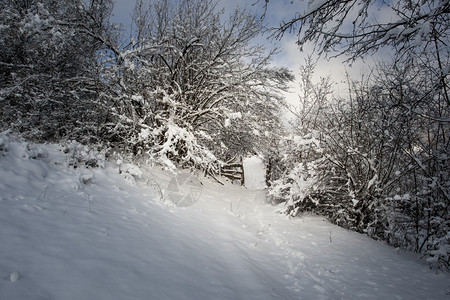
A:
(49, 78)
(439, 249)
(299, 186)
(179, 145)
(26, 150)
(130, 169)
(34, 151)
(383, 165)
(83, 155)
(183, 100)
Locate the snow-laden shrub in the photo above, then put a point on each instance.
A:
(173, 146)
(439, 255)
(130, 169)
(130, 172)
(299, 185)
(83, 155)
(298, 189)
(24, 149)
(385, 167)
(33, 151)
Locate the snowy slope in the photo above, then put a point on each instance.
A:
(94, 234)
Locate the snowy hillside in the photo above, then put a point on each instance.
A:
(96, 233)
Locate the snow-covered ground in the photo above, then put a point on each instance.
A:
(83, 233)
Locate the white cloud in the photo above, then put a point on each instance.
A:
(290, 55)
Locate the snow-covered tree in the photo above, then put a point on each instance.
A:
(378, 162)
(385, 148)
(300, 154)
(193, 85)
(49, 69)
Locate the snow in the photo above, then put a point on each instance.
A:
(144, 134)
(14, 276)
(137, 98)
(130, 169)
(372, 181)
(236, 115)
(254, 173)
(86, 233)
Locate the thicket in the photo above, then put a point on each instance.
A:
(49, 72)
(376, 161)
(187, 88)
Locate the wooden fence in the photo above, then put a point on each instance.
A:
(233, 171)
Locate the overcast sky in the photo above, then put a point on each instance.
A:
(290, 55)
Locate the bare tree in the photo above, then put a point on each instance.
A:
(357, 28)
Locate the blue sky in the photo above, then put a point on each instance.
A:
(290, 56)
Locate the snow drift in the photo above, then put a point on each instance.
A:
(87, 233)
